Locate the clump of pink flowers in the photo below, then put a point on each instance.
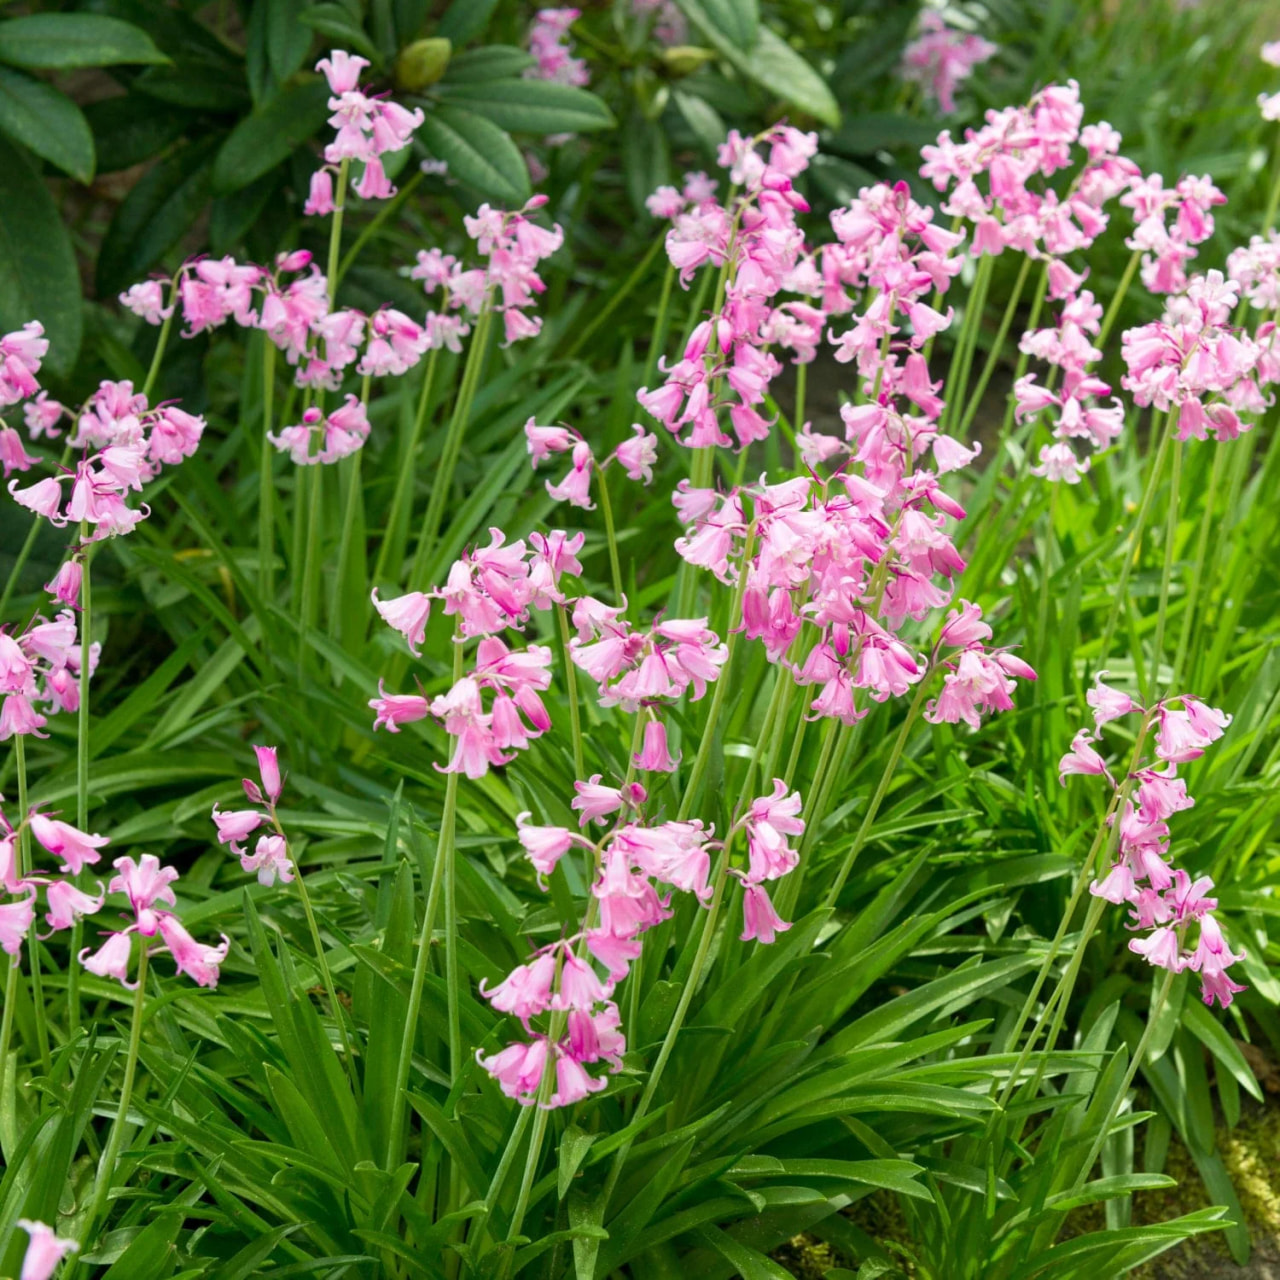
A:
(367, 129)
(941, 57)
(564, 1005)
(1164, 902)
(40, 667)
(270, 857)
(552, 49)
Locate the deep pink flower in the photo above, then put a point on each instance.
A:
(76, 848)
(199, 962)
(235, 825)
(144, 883)
(1082, 758)
(760, 921)
(518, 1068)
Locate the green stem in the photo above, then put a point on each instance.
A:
(161, 342)
(107, 1165)
(703, 758)
(1133, 544)
(1107, 828)
(326, 976)
(1166, 573)
(1273, 197)
(1019, 369)
(658, 335)
(620, 294)
(1113, 308)
(997, 347)
(339, 624)
(1104, 1130)
(266, 474)
(393, 538)
(311, 560)
(966, 344)
(802, 379)
(882, 787)
(33, 944)
(499, 1179)
(82, 763)
(19, 563)
(335, 231)
(396, 1139)
(371, 228)
(571, 686)
(442, 486)
(606, 510)
(1197, 575)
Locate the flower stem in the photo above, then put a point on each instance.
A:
(335, 230)
(107, 1165)
(326, 976)
(703, 758)
(370, 229)
(33, 944)
(1033, 319)
(1153, 1016)
(161, 342)
(1166, 573)
(82, 764)
(966, 343)
(1113, 307)
(882, 787)
(266, 477)
(396, 1139)
(442, 485)
(606, 509)
(1197, 575)
(1133, 544)
(393, 538)
(571, 685)
(993, 355)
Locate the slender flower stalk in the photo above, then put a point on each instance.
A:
(266, 474)
(392, 549)
(33, 944)
(442, 483)
(111, 1152)
(82, 759)
(1166, 573)
(997, 350)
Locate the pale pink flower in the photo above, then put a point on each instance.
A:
(526, 991)
(407, 614)
(67, 904)
(144, 883)
(15, 921)
(76, 848)
(111, 960)
(760, 921)
(654, 755)
(269, 859)
(199, 962)
(1082, 758)
(769, 822)
(394, 709)
(236, 825)
(45, 1251)
(1108, 704)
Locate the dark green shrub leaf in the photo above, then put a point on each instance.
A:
(61, 40)
(47, 122)
(156, 214)
(334, 21)
(261, 141)
(488, 62)
(465, 19)
(128, 130)
(533, 106)
(38, 277)
(477, 153)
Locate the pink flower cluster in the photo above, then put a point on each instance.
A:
(20, 355)
(270, 857)
(1163, 900)
(491, 589)
(145, 883)
(1071, 411)
(41, 666)
(553, 51)
(636, 456)
(1167, 247)
(727, 363)
(940, 57)
(124, 443)
(636, 667)
(630, 862)
(1255, 267)
(367, 129)
(1193, 362)
(512, 245)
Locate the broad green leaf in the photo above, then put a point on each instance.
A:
(488, 62)
(151, 1253)
(532, 106)
(477, 153)
(574, 1145)
(60, 41)
(47, 122)
(287, 39)
(749, 1263)
(156, 214)
(38, 276)
(129, 129)
(1213, 1035)
(334, 21)
(265, 138)
(465, 19)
